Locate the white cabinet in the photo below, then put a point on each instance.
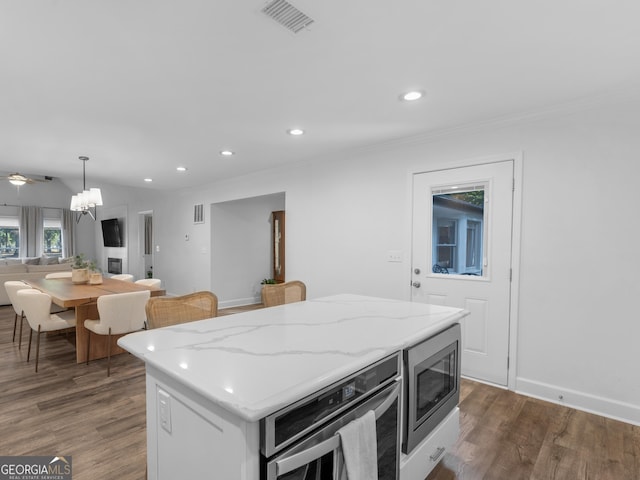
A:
(188, 436)
(421, 460)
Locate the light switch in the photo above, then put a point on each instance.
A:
(394, 256)
(164, 410)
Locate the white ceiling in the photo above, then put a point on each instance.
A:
(142, 86)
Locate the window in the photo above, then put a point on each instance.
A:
(447, 244)
(474, 244)
(9, 237)
(52, 244)
(458, 230)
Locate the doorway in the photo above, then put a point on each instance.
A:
(242, 254)
(145, 227)
(462, 256)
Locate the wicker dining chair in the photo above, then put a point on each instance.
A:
(281, 293)
(165, 311)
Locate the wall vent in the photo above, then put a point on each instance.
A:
(198, 213)
(287, 15)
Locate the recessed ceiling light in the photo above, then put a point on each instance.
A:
(227, 153)
(148, 180)
(181, 169)
(295, 131)
(411, 96)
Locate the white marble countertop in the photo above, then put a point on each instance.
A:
(254, 363)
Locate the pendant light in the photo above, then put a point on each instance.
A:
(84, 201)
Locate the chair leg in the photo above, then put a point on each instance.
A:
(37, 348)
(29, 351)
(88, 344)
(21, 322)
(15, 324)
(109, 354)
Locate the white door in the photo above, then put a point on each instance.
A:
(461, 257)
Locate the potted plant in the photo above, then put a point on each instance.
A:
(95, 273)
(82, 269)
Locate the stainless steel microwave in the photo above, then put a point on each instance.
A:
(432, 384)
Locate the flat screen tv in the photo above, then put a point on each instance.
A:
(111, 234)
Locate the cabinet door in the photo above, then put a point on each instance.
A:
(187, 440)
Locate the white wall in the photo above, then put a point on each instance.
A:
(125, 204)
(578, 332)
(241, 247)
(121, 212)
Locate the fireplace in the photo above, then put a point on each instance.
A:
(114, 265)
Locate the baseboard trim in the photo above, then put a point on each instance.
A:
(239, 302)
(606, 407)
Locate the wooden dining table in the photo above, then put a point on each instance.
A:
(83, 298)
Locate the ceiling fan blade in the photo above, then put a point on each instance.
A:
(23, 178)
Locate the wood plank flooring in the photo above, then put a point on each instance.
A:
(71, 409)
(506, 436)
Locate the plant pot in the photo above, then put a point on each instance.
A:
(79, 275)
(95, 278)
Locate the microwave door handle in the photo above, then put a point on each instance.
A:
(297, 460)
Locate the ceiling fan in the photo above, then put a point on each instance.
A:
(18, 179)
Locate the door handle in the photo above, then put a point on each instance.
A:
(297, 460)
(416, 284)
(436, 455)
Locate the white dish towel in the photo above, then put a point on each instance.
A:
(359, 450)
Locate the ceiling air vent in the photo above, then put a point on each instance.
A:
(287, 15)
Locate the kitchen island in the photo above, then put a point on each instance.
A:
(210, 382)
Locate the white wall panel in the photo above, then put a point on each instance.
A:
(475, 325)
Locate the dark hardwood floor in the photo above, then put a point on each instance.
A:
(71, 409)
(506, 436)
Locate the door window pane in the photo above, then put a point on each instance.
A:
(458, 230)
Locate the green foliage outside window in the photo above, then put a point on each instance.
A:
(9, 241)
(52, 241)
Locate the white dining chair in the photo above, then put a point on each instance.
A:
(149, 282)
(51, 275)
(12, 287)
(125, 277)
(37, 311)
(119, 313)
